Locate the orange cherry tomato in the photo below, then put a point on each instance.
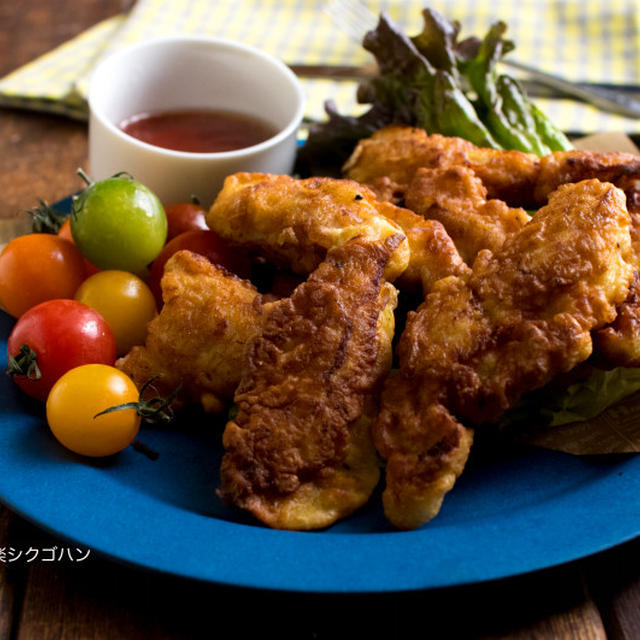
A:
(65, 231)
(38, 267)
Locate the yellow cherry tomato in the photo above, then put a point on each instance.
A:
(76, 399)
(124, 301)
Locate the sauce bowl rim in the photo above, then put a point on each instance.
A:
(291, 127)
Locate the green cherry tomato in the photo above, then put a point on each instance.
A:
(118, 223)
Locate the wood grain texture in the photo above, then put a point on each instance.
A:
(614, 581)
(33, 27)
(45, 151)
(40, 153)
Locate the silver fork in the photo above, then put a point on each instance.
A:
(355, 19)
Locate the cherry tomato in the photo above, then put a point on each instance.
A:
(65, 232)
(76, 399)
(204, 242)
(38, 267)
(61, 334)
(119, 223)
(184, 216)
(124, 300)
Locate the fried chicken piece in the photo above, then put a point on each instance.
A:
(294, 223)
(197, 341)
(562, 167)
(388, 160)
(433, 254)
(299, 453)
(618, 345)
(477, 343)
(456, 197)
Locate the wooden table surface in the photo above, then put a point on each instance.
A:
(598, 597)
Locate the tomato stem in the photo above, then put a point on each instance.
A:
(121, 174)
(44, 219)
(141, 447)
(155, 410)
(85, 177)
(24, 364)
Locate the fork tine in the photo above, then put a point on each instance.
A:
(364, 15)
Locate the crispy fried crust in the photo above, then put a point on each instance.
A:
(477, 343)
(295, 222)
(299, 453)
(562, 167)
(433, 254)
(456, 198)
(388, 160)
(197, 342)
(618, 345)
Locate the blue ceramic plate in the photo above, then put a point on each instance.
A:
(511, 512)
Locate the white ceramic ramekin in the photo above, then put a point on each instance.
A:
(180, 73)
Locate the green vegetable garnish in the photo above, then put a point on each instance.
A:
(439, 84)
(584, 399)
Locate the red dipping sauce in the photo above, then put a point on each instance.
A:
(198, 131)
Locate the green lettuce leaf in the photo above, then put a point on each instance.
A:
(581, 400)
(409, 89)
(437, 83)
(588, 399)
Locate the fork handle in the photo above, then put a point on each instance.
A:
(605, 99)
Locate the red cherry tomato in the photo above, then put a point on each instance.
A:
(62, 334)
(204, 242)
(184, 216)
(65, 232)
(38, 267)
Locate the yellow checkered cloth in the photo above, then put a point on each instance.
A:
(581, 40)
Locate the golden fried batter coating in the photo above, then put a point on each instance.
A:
(295, 222)
(197, 341)
(299, 453)
(433, 254)
(618, 345)
(561, 167)
(456, 197)
(477, 343)
(388, 160)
